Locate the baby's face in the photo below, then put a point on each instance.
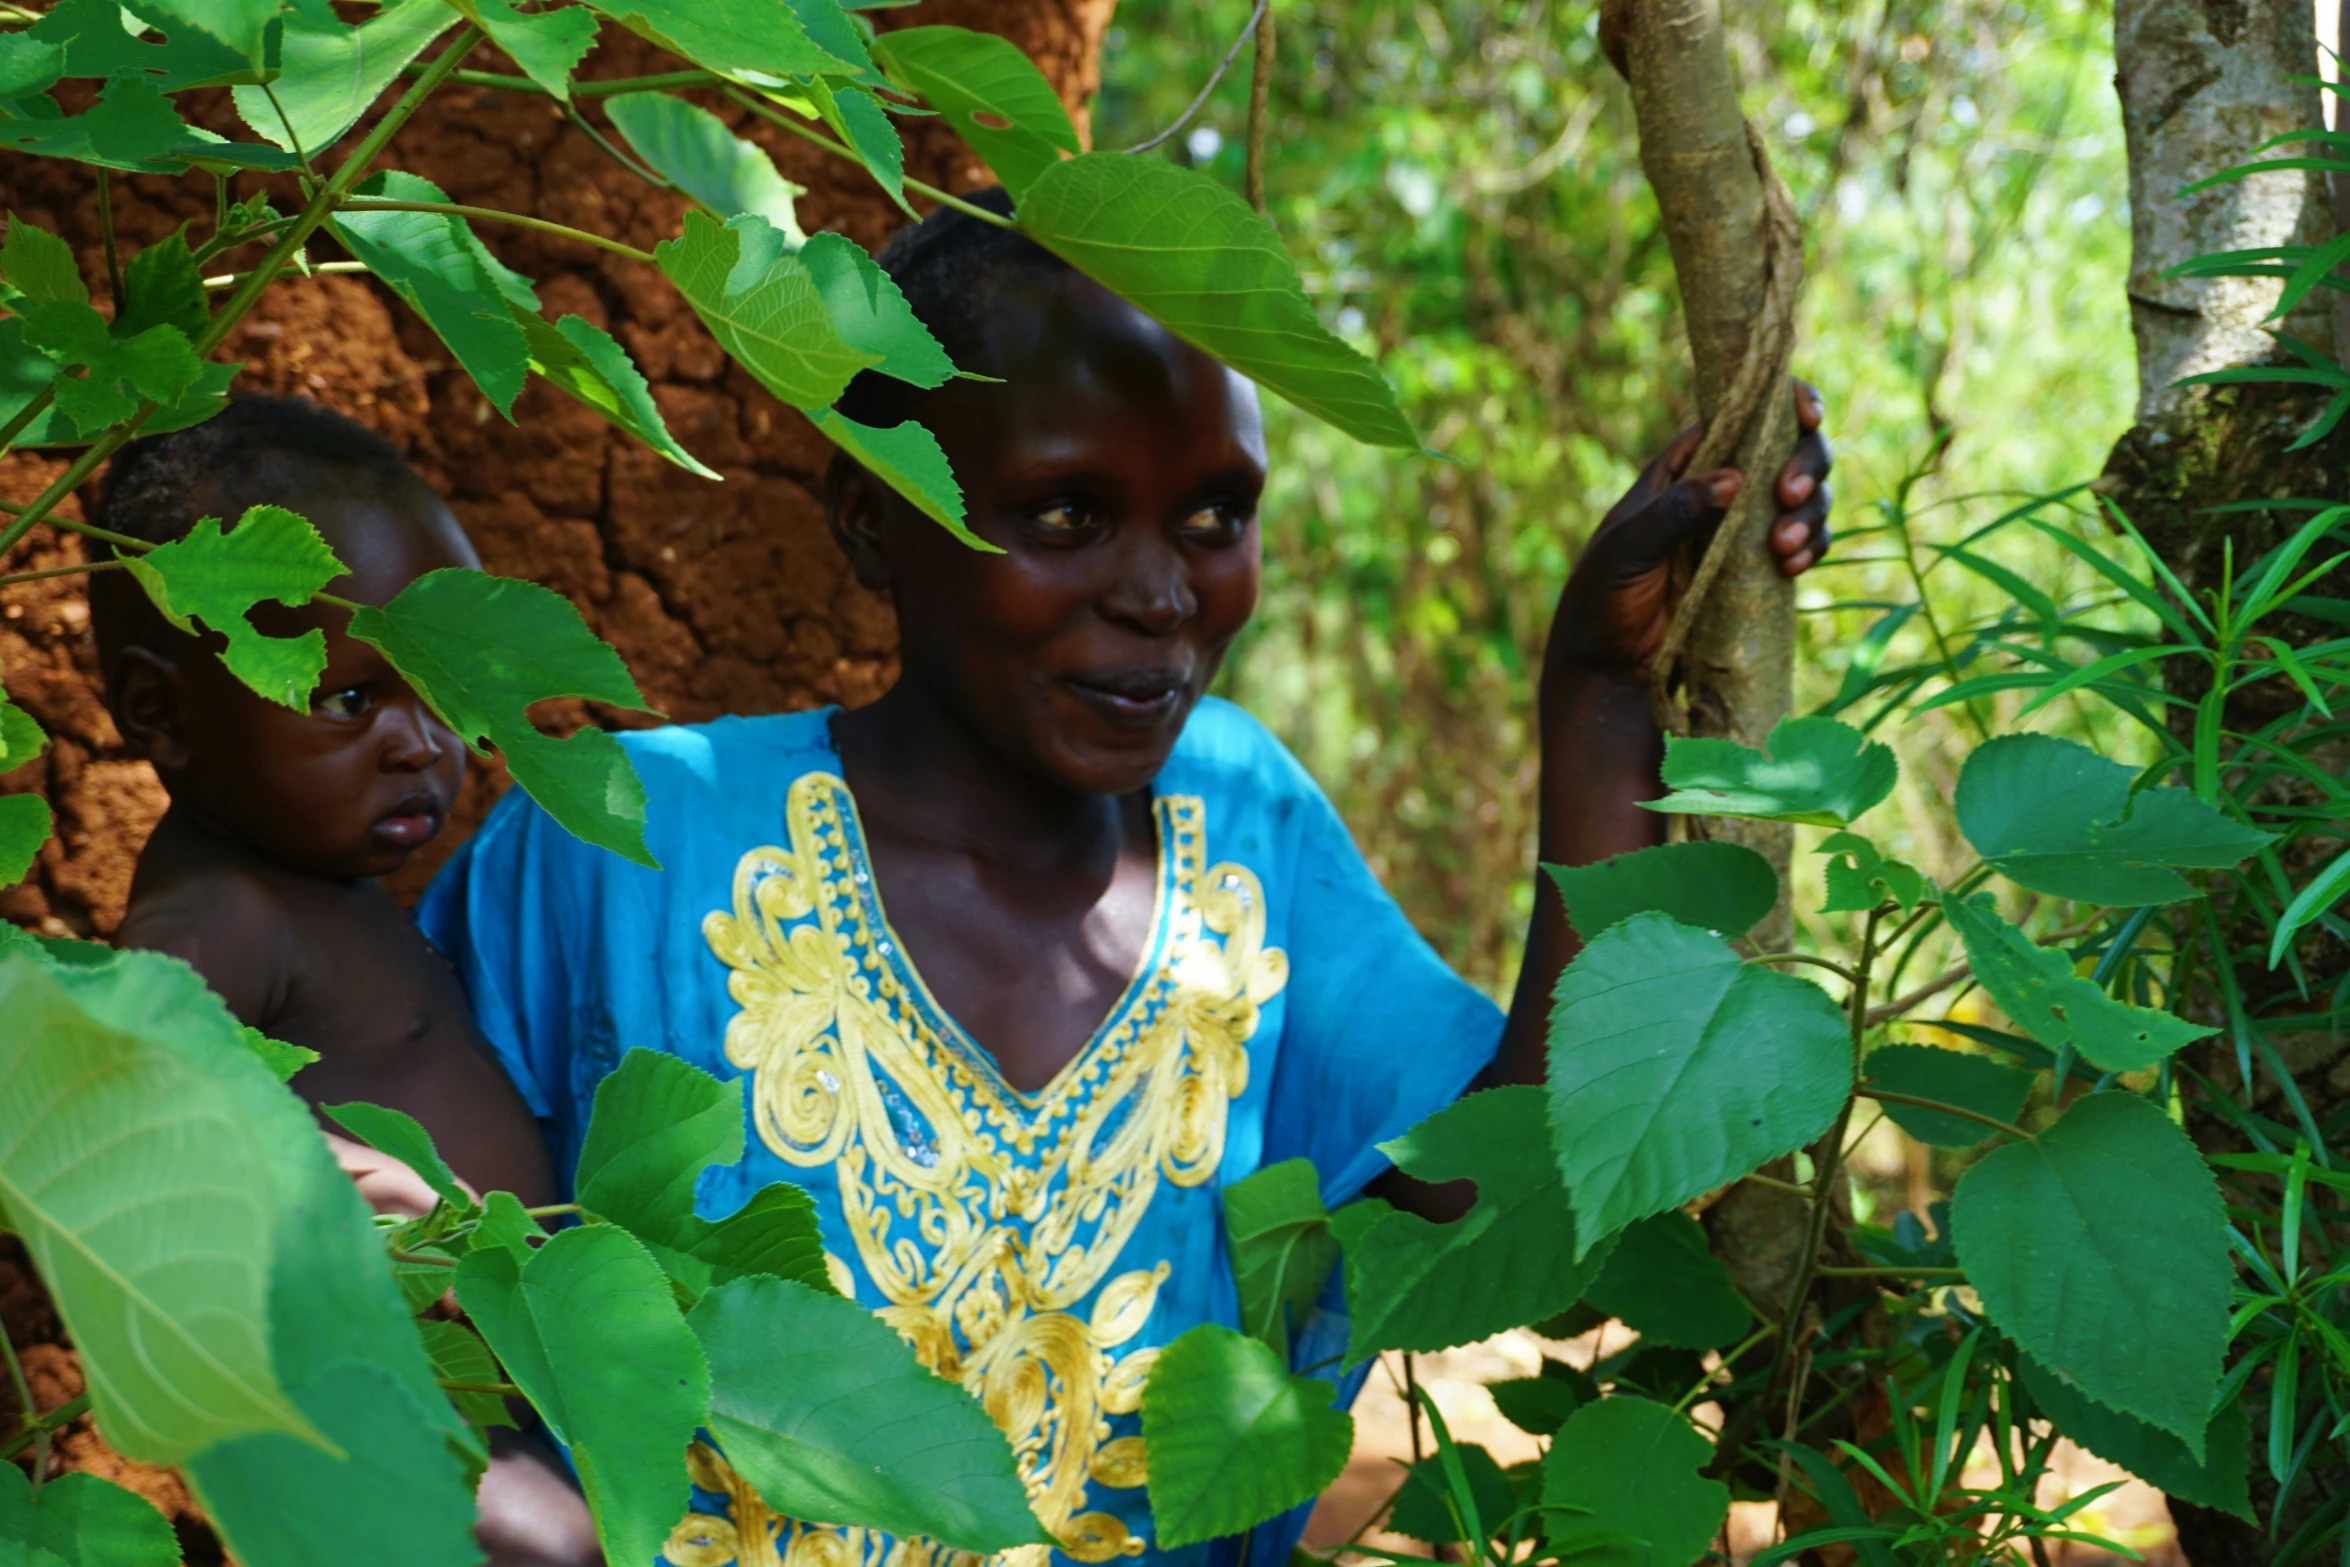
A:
(356, 784)
(1118, 469)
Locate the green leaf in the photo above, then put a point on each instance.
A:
(79, 1520)
(1860, 877)
(963, 75)
(480, 649)
(1816, 770)
(157, 363)
(1675, 1067)
(1949, 1077)
(2101, 1248)
(435, 262)
(21, 739)
(1282, 1249)
(760, 303)
(29, 65)
(396, 1133)
(864, 126)
(1632, 1467)
(459, 1355)
(2218, 1480)
(657, 1124)
(26, 372)
(282, 1059)
(731, 37)
(1232, 1439)
(829, 26)
(585, 362)
(39, 264)
(1662, 1282)
(692, 149)
(244, 27)
(217, 577)
(2058, 818)
(24, 827)
(588, 1329)
(871, 315)
(505, 1222)
(908, 459)
(2325, 890)
(548, 45)
(1420, 1511)
(826, 1411)
(2037, 988)
(138, 1190)
(1724, 887)
(133, 128)
(1539, 1405)
(1190, 254)
(333, 72)
(163, 286)
(96, 40)
(1403, 1274)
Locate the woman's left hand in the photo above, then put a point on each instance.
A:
(1613, 613)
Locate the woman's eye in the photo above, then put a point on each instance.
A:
(1066, 517)
(350, 702)
(1220, 521)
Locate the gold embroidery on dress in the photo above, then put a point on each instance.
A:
(983, 1216)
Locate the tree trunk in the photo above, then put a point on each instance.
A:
(2203, 82)
(722, 597)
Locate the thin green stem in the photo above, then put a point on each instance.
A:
(15, 577)
(579, 122)
(929, 192)
(106, 237)
(90, 530)
(420, 1259)
(492, 214)
(26, 415)
(1775, 1184)
(1890, 1273)
(63, 1415)
(1830, 964)
(293, 141)
(1883, 1096)
(232, 279)
(554, 1209)
(16, 1379)
(1729, 1359)
(314, 213)
(617, 84)
(500, 1389)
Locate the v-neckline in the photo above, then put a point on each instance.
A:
(890, 949)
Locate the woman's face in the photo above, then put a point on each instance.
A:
(1118, 470)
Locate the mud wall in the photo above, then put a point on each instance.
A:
(723, 598)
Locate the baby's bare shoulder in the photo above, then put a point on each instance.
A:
(231, 924)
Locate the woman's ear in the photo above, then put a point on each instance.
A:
(853, 504)
(148, 696)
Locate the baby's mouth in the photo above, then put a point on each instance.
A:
(410, 823)
(1134, 698)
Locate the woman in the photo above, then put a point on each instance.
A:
(1129, 952)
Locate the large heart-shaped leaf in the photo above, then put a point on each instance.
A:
(1628, 1468)
(2219, 1479)
(2101, 1248)
(827, 1412)
(1191, 255)
(1814, 770)
(481, 649)
(1282, 1247)
(1675, 1066)
(589, 1330)
(2036, 986)
(1403, 1274)
(1723, 887)
(1232, 1439)
(2058, 818)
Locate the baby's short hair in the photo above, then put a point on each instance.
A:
(254, 451)
(950, 267)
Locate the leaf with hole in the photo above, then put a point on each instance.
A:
(1860, 877)
(758, 300)
(1949, 1077)
(1232, 1439)
(1282, 1248)
(1662, 1283)
(1675, 1066)
(1813, 770)
(2054, 816)
(2037, 988)
(480, 649)
(1190, 254)
(657, 1124)
(218, 578)
(2101, 1248)
(133, 128)
(95, 39)
(589, 1330)
(1723, 887)
(157, 363)
(989, 91)
(693, 150)
(1403, 1273)
(1629, 1469)
(826, 1411)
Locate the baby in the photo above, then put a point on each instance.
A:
(262, 875)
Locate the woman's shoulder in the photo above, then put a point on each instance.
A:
(1225, 751)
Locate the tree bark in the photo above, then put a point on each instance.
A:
(2202, 83)
(1737, 668)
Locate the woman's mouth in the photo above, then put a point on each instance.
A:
(1130, 698)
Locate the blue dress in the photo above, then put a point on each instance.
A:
(1037, 1247)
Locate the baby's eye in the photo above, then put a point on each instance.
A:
(348, 703)
(1222, 521)
(1065, 517)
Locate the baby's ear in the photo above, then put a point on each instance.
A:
(148, 697)
(854, 502)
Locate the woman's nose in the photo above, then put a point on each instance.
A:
(1152, 590)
